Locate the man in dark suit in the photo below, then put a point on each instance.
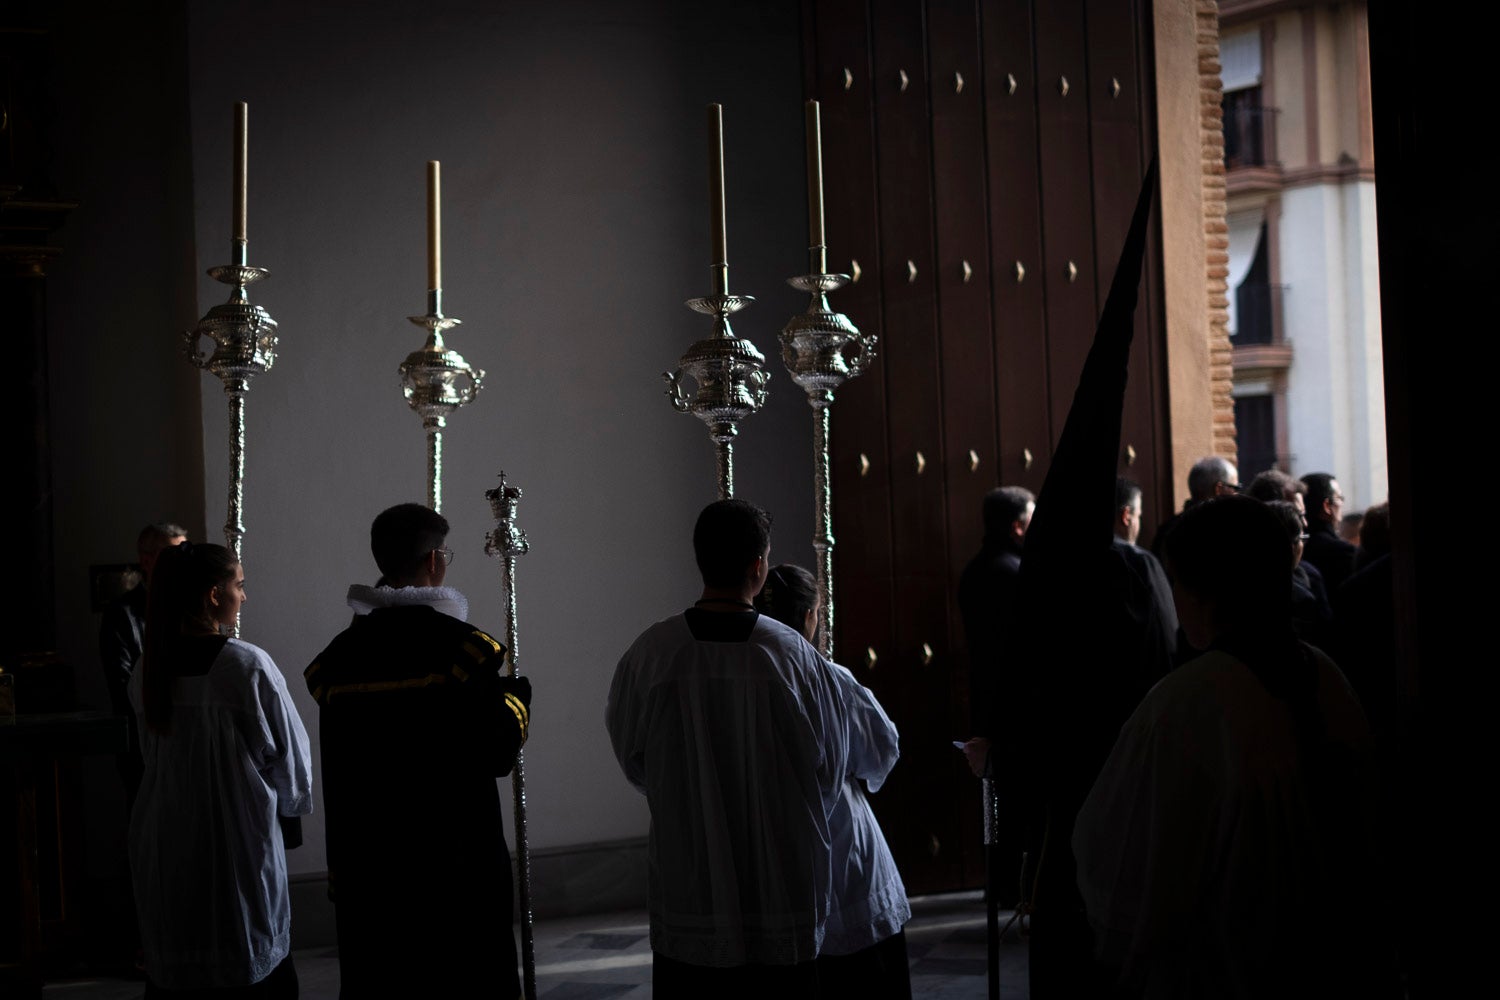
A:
(987, 592)
(1333, 556)
(1211, 476)
(989, 597)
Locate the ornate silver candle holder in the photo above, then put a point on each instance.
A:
(729, 377)
(436, 380)
(244, 337)
(823, 349)
(507, 541)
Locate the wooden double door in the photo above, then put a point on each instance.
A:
(981, 163)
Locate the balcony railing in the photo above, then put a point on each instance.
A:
(1246, 127)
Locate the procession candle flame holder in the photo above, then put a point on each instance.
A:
(729, 382)
(507, 542)
(822, 349)
(728, 374)
(436, 380)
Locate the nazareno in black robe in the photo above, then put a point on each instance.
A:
(1096, 642)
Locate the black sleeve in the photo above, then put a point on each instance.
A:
(117, 654)
(495, 708)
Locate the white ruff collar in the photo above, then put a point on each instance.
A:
(365, 599)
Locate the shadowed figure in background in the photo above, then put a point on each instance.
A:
(1333, 556)
(1149, 589)
(1211, 476)
(1227, 848)
(1097, 638)
(121, 629)
(1364, 626)
(1311, 619)
(988, 592)
(1349, 527)
(1272, 485)
(989, 599)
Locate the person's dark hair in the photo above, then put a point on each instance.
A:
(1003, 506)
(1290, 517)
(1126, 490)
(789, 594)
(1232, 552)
(403, 535)
(177, 605)
(1374, 535)
(1273, 484)
(729, 536)
(1319, 488)
(157, 534)
(1207, 473)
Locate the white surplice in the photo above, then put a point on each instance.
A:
(869, 898)
(206, 850)
(742, 750)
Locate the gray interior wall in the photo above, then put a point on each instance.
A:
(575, 224)
(124, 406)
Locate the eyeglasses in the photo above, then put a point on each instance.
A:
(447, 555)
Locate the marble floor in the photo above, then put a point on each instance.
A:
(607, 957)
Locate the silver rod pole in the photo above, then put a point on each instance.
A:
(508, 541)
(234, 527)
(435, 469)
(518, 794)
(823, 529)
(724, 451)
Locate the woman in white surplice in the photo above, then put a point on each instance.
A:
(1227, 847)
(864, 946)
(225, 756)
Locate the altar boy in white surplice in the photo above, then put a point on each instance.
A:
(731, 725)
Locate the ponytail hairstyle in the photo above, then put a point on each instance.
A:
(177, 605)
(789, 594)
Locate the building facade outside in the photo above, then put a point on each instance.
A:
(1304, 313)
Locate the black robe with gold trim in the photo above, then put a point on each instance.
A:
(417, 721)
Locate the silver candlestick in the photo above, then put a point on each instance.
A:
(436, 380)
(822, 349)
(730, 378)
(728, 373)
(244, 337)
(507, 541)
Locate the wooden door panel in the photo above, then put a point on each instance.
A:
(967, 350)
(861, 490)
(918, 788)
(1015, 222)
(1067, 197)
(922, 178)
(1118, 166)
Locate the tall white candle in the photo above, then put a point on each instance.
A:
(434, 227)
(241, 155)
(720, 248)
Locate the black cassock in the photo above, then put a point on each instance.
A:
(416, 722)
